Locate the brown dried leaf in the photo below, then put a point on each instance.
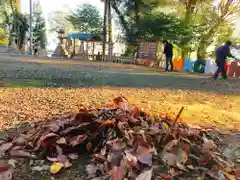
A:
(144, 155)
(5, 147)
(73, 156)
(229, 176)
(182, 156)
(73, 128)
(208, 145)
(52, 159)
(170, 145)
(116, 157)
(21, 140)
(62, 140)
(132, 161)
(43, 140)
(6, 172)
(169, 158)
(118, 100)
(21, 154)
(117, 173)
(91, 170)
(77, 140)
(145, 175)
(54, 127)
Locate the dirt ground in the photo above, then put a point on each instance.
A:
(39, 89)
(35, 90)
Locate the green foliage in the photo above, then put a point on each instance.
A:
(19, 27)
(3, 34)
(39, 28)
(86, 18)
(57, 20)
(193, 25)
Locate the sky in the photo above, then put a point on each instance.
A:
(53, 5)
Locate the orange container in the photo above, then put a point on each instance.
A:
(178, 64)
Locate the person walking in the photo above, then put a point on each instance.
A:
(222, 53)
(168, 51)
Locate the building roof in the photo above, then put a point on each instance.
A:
(84, 37)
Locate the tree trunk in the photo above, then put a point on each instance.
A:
(121, 18)
(137, 20)
(206, 41)
(109, 30)
(137, 12)
(104, 29)
(190, 7)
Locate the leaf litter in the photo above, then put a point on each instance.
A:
(125, 143)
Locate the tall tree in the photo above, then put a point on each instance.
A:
(19, 26)
(39, 29)
(86, 18)
(225, 11)
(57, 20)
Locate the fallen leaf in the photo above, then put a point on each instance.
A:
(12, 162)
(132, 160)
(208, 144)
(169, 158)
(62, 140)
(145, 175)
(117, 173)
(77, 140)
(52, 159)
(5, 147)
(229, 176)
(21, 154)
(73, 156)
(43, 139)
(144, 155)
(170, 145)
(21, 140)
(40, 168)
(89, 146)
(56, 167)
(91, 170)
(6, 172)
(182, 156)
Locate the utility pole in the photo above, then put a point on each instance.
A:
(104, 29)
(30, 28)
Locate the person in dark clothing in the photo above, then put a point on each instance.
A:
(168, 51)
(222, 53)
(35, 51)
(98, 57)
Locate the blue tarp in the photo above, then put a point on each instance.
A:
(83, 36)
(188, 65)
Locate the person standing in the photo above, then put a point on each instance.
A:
(168, 51)
(222, 53)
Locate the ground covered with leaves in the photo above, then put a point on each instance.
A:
(123, 142)
(36, 91)
(206, 102)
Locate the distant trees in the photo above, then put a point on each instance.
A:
(86, 19)
(39, 28)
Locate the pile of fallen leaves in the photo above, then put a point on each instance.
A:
(125, 143)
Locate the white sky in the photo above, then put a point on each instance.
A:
(53, 5)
